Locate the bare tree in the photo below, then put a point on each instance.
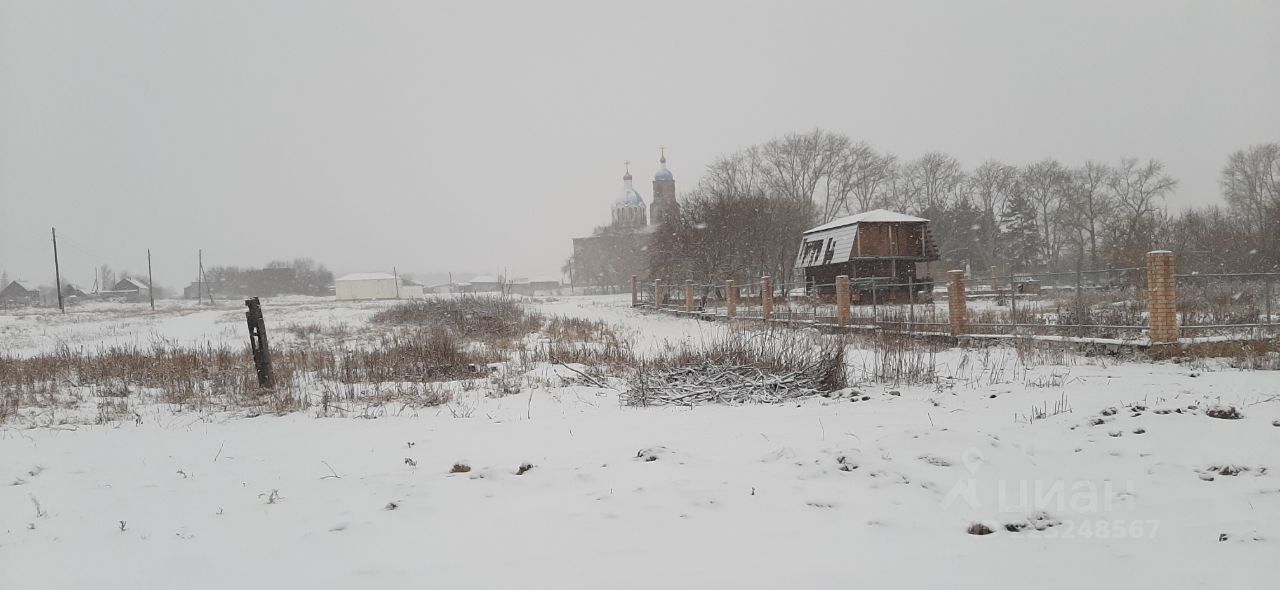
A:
(857, 181)
(1138, 191)
(930, 182)
(1251, 184)
(741, 173)
(992, 184)
(1088, 206)
(1046, 184)
(795, 164)
(106, 278)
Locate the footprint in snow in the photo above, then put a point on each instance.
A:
(651, 454)
(935, 460)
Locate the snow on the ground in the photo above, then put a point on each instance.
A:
(1144, 488)
(94, 326)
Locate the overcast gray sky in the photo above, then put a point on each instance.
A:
(477, 136)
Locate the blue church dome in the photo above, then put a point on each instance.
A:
(629, 197)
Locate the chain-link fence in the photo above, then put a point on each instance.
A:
(1107, 303)
(1094, 304)
(1228, 305)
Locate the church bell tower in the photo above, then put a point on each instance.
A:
(665, 207)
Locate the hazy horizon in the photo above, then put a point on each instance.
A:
(439, 137)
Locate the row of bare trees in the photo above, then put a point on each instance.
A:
(747, 212)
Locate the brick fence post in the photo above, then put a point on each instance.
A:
(688, 296)
(730, 298)
(658, 294)
(956, 307)
(1162, 296)
(842, 300)
(766, 297)
(635, 291)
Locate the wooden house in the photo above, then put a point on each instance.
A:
(196, 290)
(886, 256)
(128, 289)
(19, 293)
(71, 292)
(485, 284)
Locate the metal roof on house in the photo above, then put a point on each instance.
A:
(135, 282)
(873, 216)
(367, 276)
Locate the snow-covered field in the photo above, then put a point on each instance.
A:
(180, 322)
(1135, 486)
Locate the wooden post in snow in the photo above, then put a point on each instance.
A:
(258, 342)
(635, 291)
(658, 294)
(688, 296)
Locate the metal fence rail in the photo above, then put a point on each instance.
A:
(1107, 304)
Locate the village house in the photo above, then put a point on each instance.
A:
(73, 293)
(128, 289)
(246, 282)
(448, 288)
(411, 289)
(484, 284)
(886, 256)
(366, 285)
(19, 293)
(196, 290)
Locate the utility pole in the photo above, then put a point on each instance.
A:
(203, 282)
(395, 274)
(57, 272)
(151, 283)
(200, 278)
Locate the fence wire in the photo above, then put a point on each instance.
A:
(1100, 304)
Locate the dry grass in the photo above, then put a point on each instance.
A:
(899, 359)
(471, 317)
(416, 348)
(192, 378)
(593, 343)
(429, 342)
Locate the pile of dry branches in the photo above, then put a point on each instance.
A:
(731, 384)
(763, 367)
